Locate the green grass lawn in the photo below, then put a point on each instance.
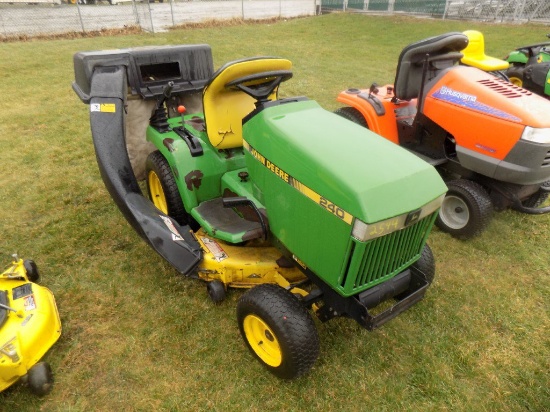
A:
(139, 337)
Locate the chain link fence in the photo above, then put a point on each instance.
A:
(500, 10)
(56, 17)
(18, 18)
(483, 10)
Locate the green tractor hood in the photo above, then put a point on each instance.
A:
(350, 167)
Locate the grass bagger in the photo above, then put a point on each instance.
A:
(489, 139)
(29, 326)
(272, 194)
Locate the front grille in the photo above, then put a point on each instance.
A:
(377, 260)
(546, 161)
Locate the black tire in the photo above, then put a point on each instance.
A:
(278, 330)
(351, 113)
(216, 291)
(40, 379)
(426, 264)
(162, 188)
(32, 270)
(515, 75)
(466, 210)
(538, 198)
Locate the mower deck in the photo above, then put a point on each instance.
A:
(29, 326)
(245, 266)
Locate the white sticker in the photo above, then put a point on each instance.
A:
(29, 302)
(214, 248)
(103, 107)
(175, 234)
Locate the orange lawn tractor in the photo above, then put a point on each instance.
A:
(489, 139)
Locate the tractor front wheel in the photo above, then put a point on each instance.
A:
(278, 330)
(162, 187)
(426, 264)
(351, 113)
(466, 210)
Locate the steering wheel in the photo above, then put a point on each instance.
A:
(260, 85)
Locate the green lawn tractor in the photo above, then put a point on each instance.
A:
(530, 67)
(306, 209)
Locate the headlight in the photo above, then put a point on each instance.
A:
(364, 232)
(360, 230)
(536, 135)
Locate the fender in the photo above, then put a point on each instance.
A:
(517, 57)
(173, 242)
(535, 78)
(182, 162)
(381, 124)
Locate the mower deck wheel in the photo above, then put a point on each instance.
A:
(216, 291)
(278, 330)
(162, 188)
(40, 379)
(466, 210)
(32, 270)
(351, 113)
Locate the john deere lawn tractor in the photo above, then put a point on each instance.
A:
(489, 139)
(530, 67)
(307, 209)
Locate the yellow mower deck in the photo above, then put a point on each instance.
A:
(29, 328)
(244, 266)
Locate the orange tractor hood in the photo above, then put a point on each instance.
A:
(489, 114)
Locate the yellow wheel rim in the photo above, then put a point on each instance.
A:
(262, 340)
(516, 81)
(157, 193)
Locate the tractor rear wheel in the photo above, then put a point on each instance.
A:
(278, 330)
(515, 75)
(466, 210)
(352, 114)
(162, 188)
